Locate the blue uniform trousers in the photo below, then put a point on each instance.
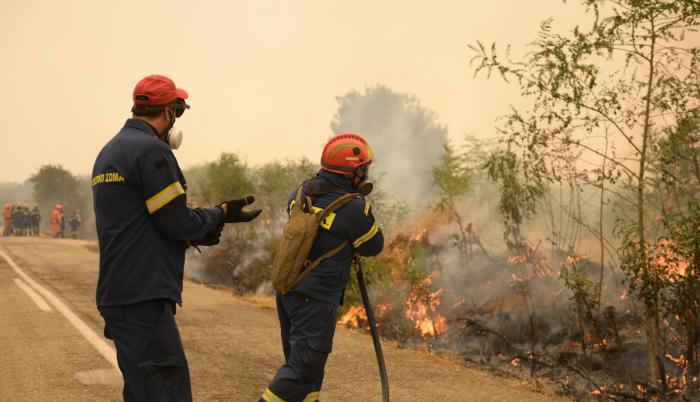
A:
(149, 351)
(307, 327)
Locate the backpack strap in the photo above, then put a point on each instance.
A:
(297, 198)
(306, 205)
(308, 266)
(337, 204)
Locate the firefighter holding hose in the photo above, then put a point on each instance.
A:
(143, 227)
(307, 310)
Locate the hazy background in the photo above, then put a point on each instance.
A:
(262, 75)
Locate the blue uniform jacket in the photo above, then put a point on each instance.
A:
(353, 222)
(143, 221)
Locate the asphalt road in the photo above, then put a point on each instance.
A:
(51, 348)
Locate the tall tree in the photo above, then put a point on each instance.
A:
(53, 184)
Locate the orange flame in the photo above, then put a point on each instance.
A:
(573, 259)
(420, 236)
(600, 391)
(354, 316)
(678, 265)
(516, 259)
(422, 307)
(623, 296)
(678, 361)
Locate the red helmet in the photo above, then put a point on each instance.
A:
(346, 152)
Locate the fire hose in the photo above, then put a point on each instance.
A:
(372, 329)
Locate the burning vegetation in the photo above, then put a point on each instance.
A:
(531, 310)
(421, 310)
(566, 253)
(519, 315)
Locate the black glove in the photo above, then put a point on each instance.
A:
(235, 212)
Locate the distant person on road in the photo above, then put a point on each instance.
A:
(27, 220)
(308, 312)
(62, 226)
(7, 217)
(18, 220)
(56, 221)
(35, 221)
(143, 227)
(74, 223)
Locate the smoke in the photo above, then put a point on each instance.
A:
(407, 138)
(503, 311)
(15, 193)
(250, 261)
(195, 266)
(241, 261)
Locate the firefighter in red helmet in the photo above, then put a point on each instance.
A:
(308, 313)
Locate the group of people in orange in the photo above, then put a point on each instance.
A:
(20, 221)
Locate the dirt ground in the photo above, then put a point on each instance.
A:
(232, 344)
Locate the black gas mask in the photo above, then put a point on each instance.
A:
(360, 179)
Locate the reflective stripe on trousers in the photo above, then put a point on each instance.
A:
(269, 396)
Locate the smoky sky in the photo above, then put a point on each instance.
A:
(263, 77)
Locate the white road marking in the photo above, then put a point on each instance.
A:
(100, 376)
(95, 340)
(38, 300)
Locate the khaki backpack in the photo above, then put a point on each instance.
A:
(291, 263)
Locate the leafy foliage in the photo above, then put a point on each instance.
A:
(53, 184)
(275, 181)
(226, 179)
(451, 178)
(518, 197)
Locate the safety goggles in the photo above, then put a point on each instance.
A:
(179, 106)
(362, 171)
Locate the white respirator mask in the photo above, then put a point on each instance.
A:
(174, 138)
